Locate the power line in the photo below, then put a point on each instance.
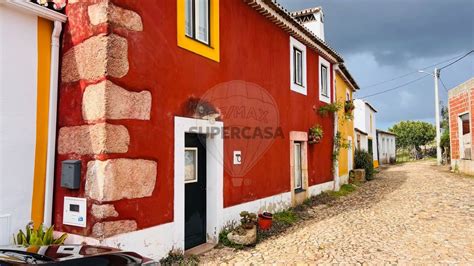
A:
(394, 88)
(442, 83)
(454, 62)
(458, 58)
(413, 72)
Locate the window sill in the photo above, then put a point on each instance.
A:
(325, 99)
(198, 41)
(299, 190)
(301, 89)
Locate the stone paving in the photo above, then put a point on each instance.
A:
(414, 213)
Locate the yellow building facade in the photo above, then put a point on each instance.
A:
(345, 88)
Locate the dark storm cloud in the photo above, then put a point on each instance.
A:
(382, 39)
(396, 31)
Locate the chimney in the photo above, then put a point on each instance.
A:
(313, 19)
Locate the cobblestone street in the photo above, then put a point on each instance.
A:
(411, 213)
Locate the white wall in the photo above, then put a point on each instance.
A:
(359, 114)
(371, 131)
(18, 67)
(386, 146)
(362, 113)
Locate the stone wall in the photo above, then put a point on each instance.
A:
(95, 59)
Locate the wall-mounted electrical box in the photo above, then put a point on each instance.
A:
(75, 211)
(71, 174)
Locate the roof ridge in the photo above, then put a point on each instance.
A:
(289, 17)
(306, 11)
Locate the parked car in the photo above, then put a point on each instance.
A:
(70, 255)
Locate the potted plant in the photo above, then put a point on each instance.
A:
(349, 106)
(330, 108)
(248, 219)
(265, 220)
(315, 134)
(246, 233)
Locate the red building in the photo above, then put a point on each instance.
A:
(184, 113)
(461, 100)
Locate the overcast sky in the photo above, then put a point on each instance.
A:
(380, 40)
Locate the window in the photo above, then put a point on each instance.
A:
(197, 20)
(297, 66)
(198, 27)
(191, 164)
(465, 136)
(324, 81)
(298, 175)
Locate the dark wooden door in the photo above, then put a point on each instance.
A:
(369, 142)
(195, 190)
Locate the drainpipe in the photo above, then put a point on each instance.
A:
(53, 100)
(336, 128)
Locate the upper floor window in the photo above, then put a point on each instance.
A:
(197, 20)
(198, 27)
(324, 81)
(297, 66)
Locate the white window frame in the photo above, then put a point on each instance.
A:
(462, 155)
(324, 98)
(302, 89)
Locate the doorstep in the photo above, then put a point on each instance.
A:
(201, 249)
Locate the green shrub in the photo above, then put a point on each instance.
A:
(38, 237)
(176, 257)
(364, 160)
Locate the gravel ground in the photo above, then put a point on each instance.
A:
(414, 213)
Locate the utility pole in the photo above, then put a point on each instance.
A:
(438, 134)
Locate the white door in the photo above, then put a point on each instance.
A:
(350, 155)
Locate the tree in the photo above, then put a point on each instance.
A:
(413, 134)
(444, 143)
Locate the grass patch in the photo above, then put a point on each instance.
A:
(177, 258)
(287, 217)
(345, 190)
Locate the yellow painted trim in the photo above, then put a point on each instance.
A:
(213, 51)
(376, 163)
(45, 29)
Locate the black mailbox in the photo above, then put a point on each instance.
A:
(71, 174)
